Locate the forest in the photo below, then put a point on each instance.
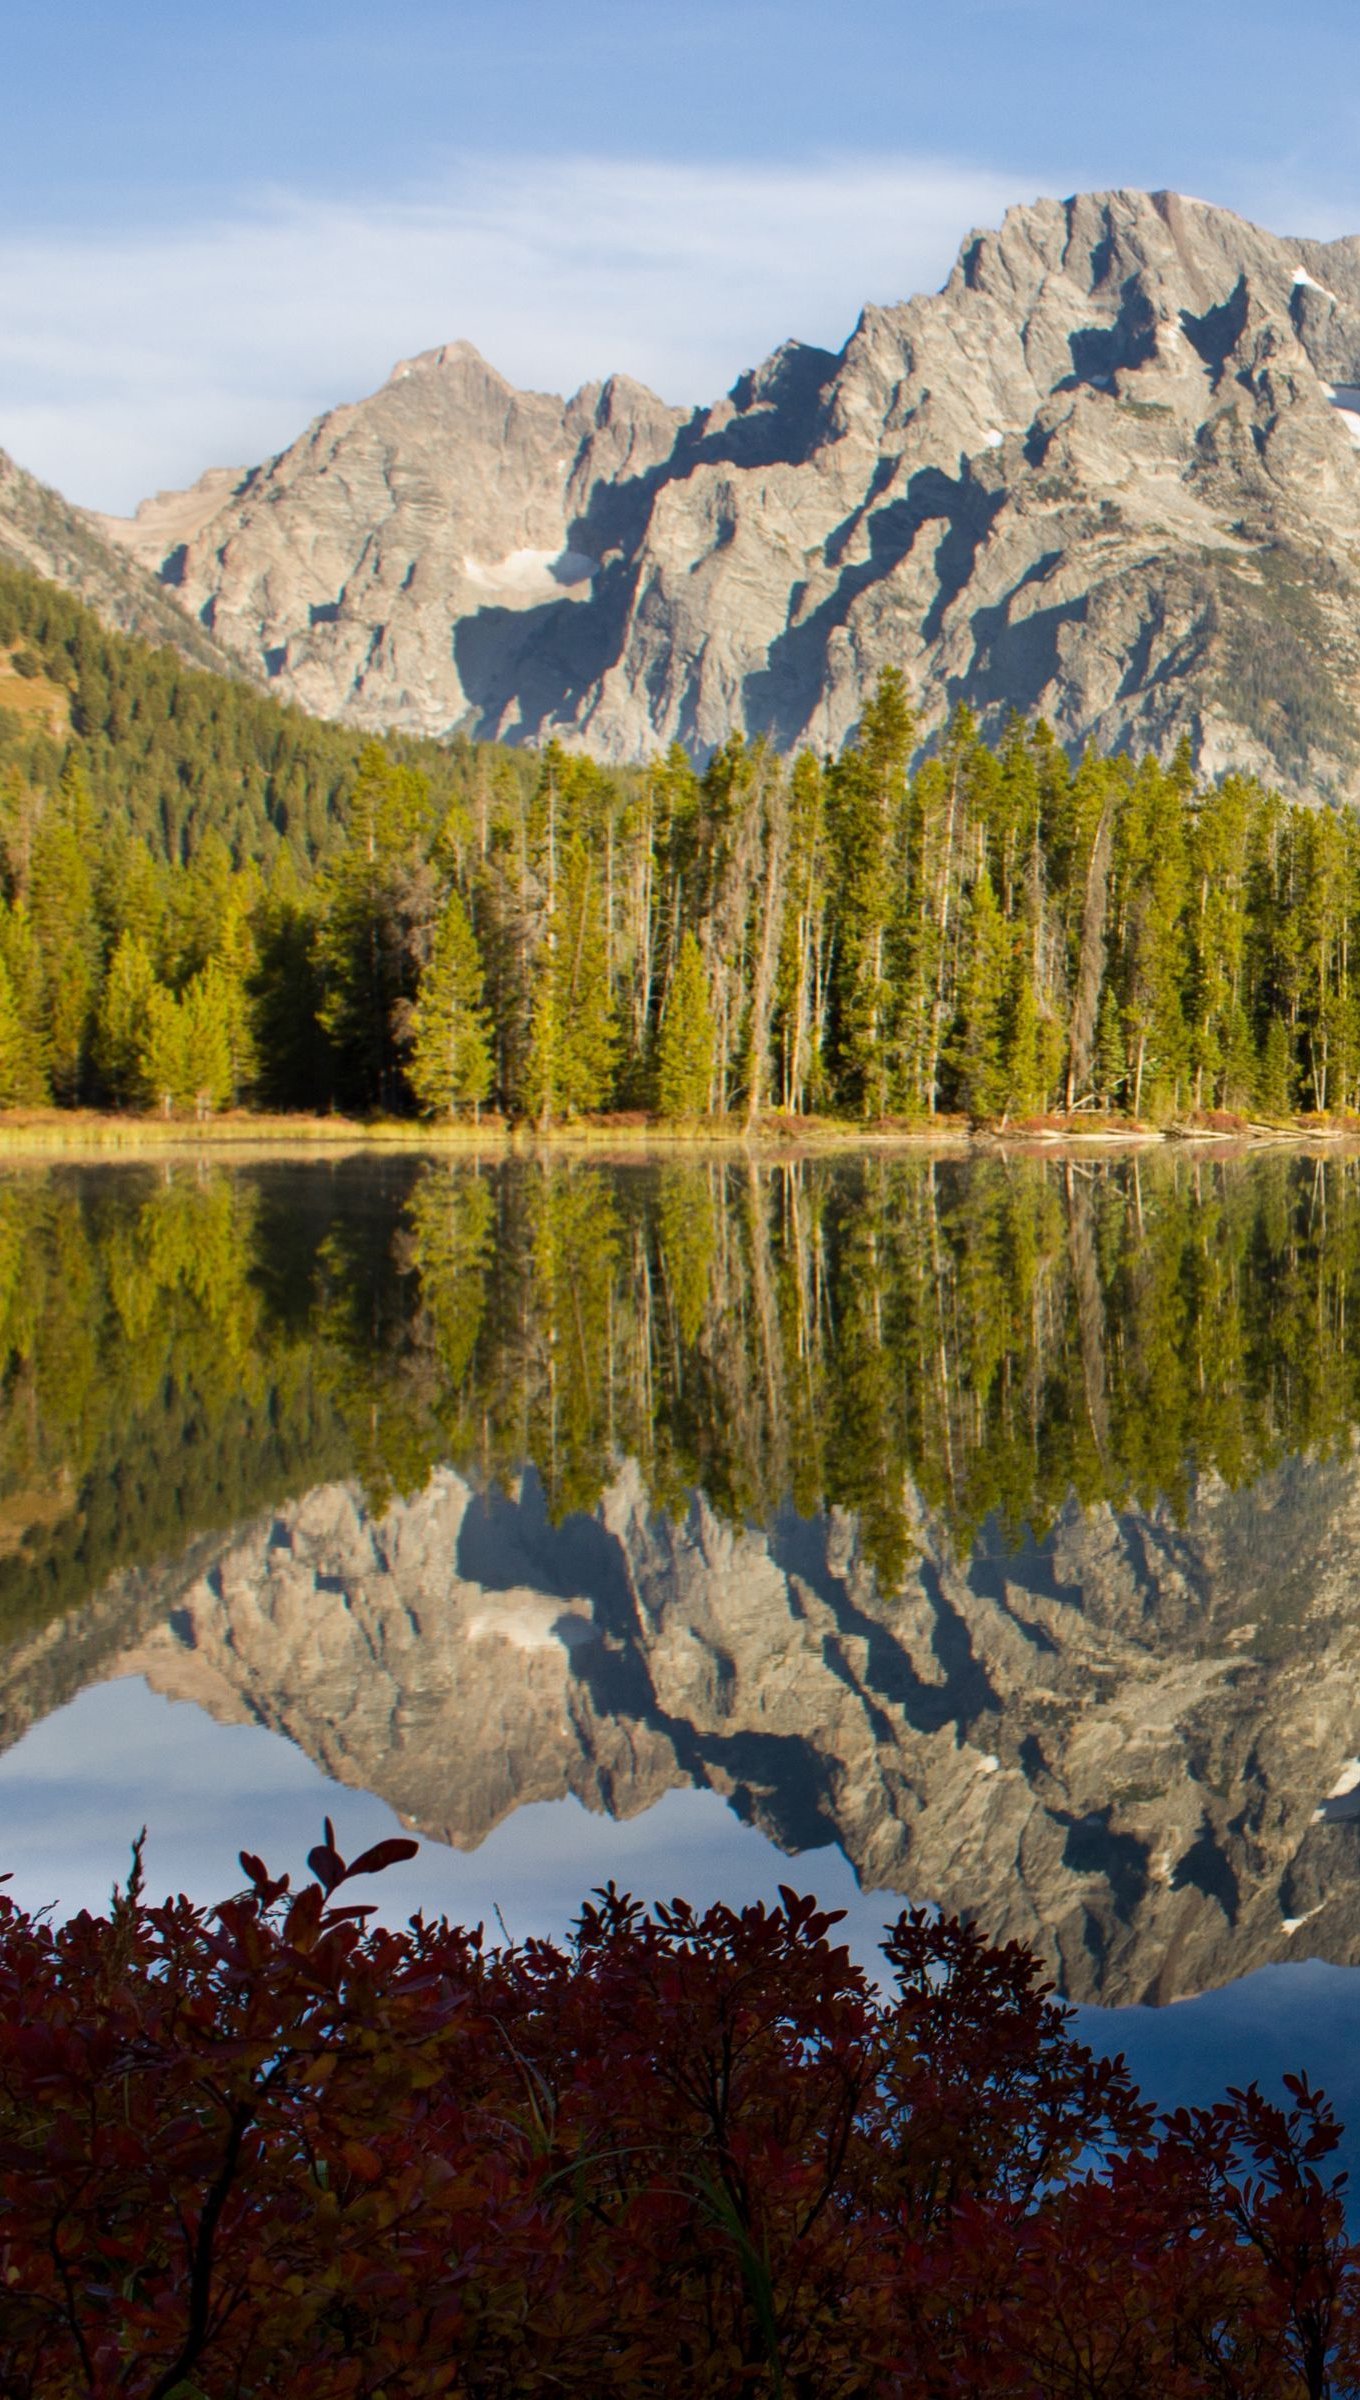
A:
(209, 901)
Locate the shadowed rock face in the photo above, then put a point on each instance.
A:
(1115, 1746)
(1109, 473)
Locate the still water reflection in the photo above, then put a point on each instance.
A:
(988, 1529)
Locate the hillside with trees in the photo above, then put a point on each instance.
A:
(208, 900)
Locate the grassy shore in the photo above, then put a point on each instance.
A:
(89, 1132)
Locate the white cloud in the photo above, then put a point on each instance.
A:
(134, 360)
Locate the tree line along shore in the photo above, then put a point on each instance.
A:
(210, 902)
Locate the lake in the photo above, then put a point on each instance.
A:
(976, 1531)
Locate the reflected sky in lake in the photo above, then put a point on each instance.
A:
(985, 1532)
(72, 1786)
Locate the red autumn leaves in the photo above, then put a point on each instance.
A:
(274, 2149)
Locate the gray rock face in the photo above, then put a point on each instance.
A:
(439, 539)
(1135, 1747)
(41, 531)
(1109, 473)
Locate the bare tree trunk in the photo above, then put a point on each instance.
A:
(1090, 959)
(932, 1077)
(772, 915)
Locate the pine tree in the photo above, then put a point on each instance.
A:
(450, 1060)
(573, 1036)
(13, 1064)
(1275, 1076)
(124, 1009)
(162, 1063)
(236, 957)
(208, 1012)
(1026, 1066)
(19, 957)
(130, 890)
(1112, 1069)
(542, 1080)
(685, 1049)
(1154, 870)
(867, 810)
(68, 993)
(801, 987)
(295, 1060)
(61, 911)
(977, 1053)
(376, 904)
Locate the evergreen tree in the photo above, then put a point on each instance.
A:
(449, 1067)
(868, 791)
(685, 1048)
(13, 1063)
(978, 1050)
(208, 1011)
(801, 992)
(235, 955)
(1111, 1065)
(574, 1035)
(61, 912)
(376, 906)
(295, 1062)
(162, 1061)
(542, 1075)
(19, 957)
(1029, 1063)
(1153, 870)
(1275, 1089)
(124, 1010)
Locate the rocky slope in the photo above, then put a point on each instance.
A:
(444, 520)
(41, 531)
(1134, 1747)
(1109, 473)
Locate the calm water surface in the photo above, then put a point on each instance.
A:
(985, 1533)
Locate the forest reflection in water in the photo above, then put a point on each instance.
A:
(1024, 1565)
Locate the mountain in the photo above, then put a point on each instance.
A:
(1131, 1746)
(1109, 473)
(41, 532)
(447, 511)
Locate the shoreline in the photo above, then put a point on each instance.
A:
(62, 1133)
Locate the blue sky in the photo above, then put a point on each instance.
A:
(216, 222)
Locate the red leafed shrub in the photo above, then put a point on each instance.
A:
(275, 2149)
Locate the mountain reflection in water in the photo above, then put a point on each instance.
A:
(996, 1520)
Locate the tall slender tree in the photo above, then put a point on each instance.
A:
(449, 1066)
(686, 1048)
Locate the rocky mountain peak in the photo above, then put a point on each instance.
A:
(1109, 473)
